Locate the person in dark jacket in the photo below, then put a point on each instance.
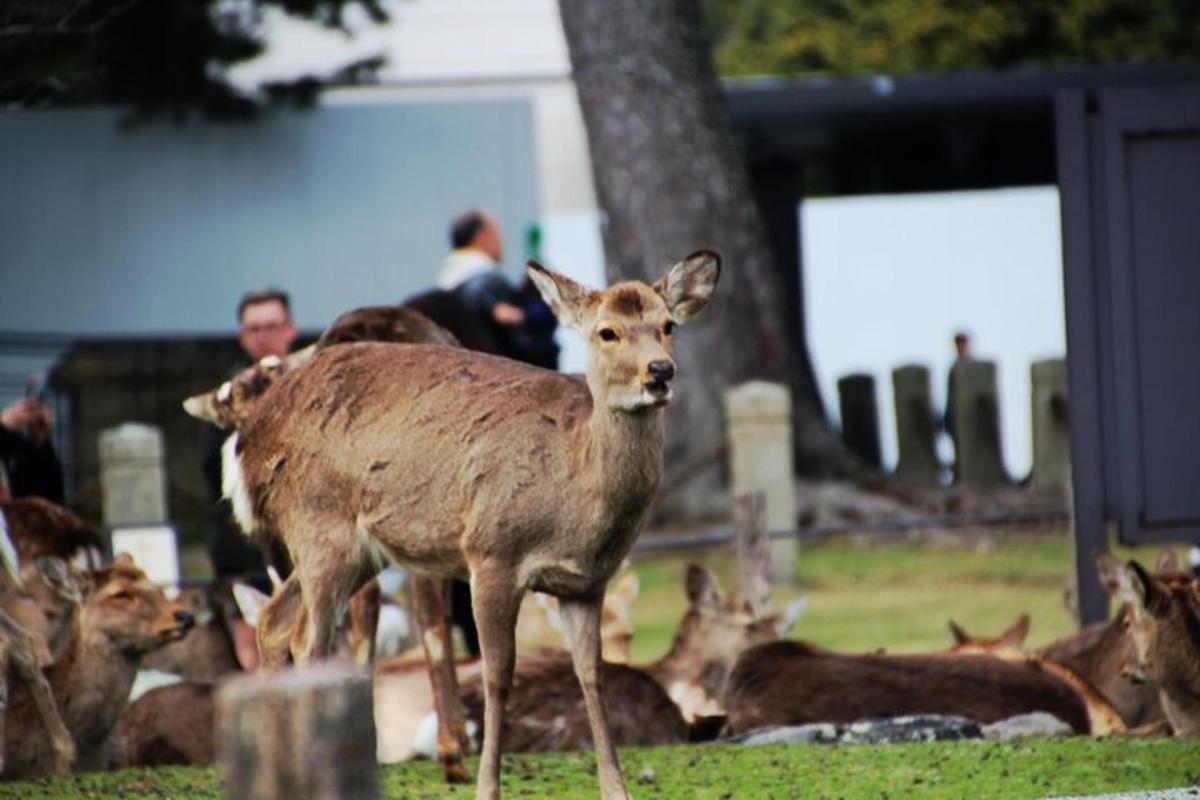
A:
(27, 455)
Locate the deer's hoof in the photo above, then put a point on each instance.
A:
(455, 770)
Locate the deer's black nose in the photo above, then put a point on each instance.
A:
(662, 371)
(185, 619)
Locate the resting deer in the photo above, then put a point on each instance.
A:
(517, 477)
(1165, 630)
(123, 617)
(1103, 717)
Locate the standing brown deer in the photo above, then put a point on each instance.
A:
(518, 477)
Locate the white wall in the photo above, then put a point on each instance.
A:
(889, 279)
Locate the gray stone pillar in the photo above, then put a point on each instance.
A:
(860, 417)
(1051, 442)
(132, 480)
(306, 732)
(978, 461)
(759, 421)
(916, 429)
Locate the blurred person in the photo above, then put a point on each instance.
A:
(521, 323)
(963, 354)
(28, 463)
(265, 328)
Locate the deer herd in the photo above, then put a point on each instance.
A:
(386, 442)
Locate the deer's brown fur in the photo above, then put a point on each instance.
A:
(123, 617)
(1103, 718)
(168, 725)
(791, 683)
(38, 527)
(1165, 630)
(517, 477)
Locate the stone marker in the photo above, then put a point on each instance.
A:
(916, 429)
(132, 479)
(977, 411)
(753, 549)
(860, 417)
(759, 418)
(298, 733)
(1051, 439)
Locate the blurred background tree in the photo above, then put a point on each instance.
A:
(155, 56)
(768, 37)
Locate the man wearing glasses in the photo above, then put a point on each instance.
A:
(265, 328)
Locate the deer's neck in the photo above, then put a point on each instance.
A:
(91, 683)
(622, 458)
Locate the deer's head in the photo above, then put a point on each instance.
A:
(629, 327)
(1164, 624)
(133, 613)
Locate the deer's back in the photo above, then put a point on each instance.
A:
(792, 683)
(411, 440)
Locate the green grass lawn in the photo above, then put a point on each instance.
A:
(716, 772)
(897, 595)
(861, 596)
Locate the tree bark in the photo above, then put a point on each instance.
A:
(669, 181)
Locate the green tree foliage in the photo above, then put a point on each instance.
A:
(155, 56)
(758, 37)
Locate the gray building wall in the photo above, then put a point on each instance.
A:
(158, 228)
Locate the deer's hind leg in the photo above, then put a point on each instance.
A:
(328, 570)
(431, 607)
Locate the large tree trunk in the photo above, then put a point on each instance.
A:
(670, 180)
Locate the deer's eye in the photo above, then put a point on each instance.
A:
(669, 328)
(608, 334)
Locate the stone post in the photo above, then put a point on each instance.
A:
(759, 421)
(977, 410)
(916, 429)
(753, 550)
(306, 732)
(1051, 442)
(132, 480)
(860, 417)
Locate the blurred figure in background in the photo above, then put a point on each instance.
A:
(265, 328)
(28, 463)
(962, 355)
(521, 323)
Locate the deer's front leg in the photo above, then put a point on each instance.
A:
(431, 610)
(495, 599)
(581, 626)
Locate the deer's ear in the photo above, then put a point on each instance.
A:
(1113, 576)
(571, 302)
(1148, 591)
(702, 587)
(1017, 632)
(1168, 561)
(960, 636)
(687, 286)
(204, 406)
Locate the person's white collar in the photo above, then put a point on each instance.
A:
(463, 264)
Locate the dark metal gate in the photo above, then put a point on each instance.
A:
(1129, 174)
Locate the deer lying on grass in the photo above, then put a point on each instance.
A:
(168, 725)
(122, 618)
(1165, 630)
(791, 683)
(1103, 717)
(1102, 654)
(651, 704)
(519, 477)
